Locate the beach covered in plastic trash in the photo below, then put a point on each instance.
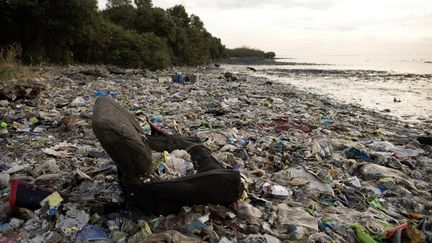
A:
(314, 170)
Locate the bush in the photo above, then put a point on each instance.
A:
(46, 28)
(10, 67)
(130, 49)
(109, 43)
(140, 36)
(270, 55)
(245, 52)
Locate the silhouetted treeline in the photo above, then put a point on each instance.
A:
(244, 52)
(125, 33)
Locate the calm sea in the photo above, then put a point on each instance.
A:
(400, 86)
(398, 64)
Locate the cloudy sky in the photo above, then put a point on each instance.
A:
(317, 27)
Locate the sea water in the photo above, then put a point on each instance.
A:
(397, 85)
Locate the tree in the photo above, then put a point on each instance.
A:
(45, 28)
(245, 52)
(143, 3)
(118, 3)
(124, 15)
(73, 30)
(270, 55)
(195, 23)
(179, 15)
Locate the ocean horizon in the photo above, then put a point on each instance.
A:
(391, 63)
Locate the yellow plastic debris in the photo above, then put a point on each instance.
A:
(53, 200)
(33, 120)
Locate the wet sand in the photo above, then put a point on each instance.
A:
(405, 96)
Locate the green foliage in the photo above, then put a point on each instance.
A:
(269, 55)
(118, 3)
(187, 40)
(179, 15)
(143, 3)
(245, 52)
(109, 43)
(123, 15)
(130, 49)
(124, 34)
(44, 28)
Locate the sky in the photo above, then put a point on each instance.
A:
(317, 27)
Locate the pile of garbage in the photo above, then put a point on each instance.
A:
(314, 170)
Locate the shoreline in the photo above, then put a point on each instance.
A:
(403, 95)
(263, 61)
(269, 130)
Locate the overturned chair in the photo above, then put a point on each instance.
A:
(130, 148)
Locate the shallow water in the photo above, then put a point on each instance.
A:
(394, 64)
(360, 83)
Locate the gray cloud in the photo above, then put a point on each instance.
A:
(301, 26)
(238, 4)
(310, 4)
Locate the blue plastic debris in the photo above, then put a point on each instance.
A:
(105, 93)
(382, 187)
(156, 120)
(355, 153)
(178, 78)
(242, 142)
(53, 211)
(279, 146)
(344, 200)
(4, 228)
(291, 229)
(196, 226)
(326, 227)
(327, 121)
(161, 168)
(101, 93)
(91, 233)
